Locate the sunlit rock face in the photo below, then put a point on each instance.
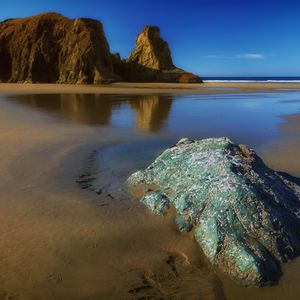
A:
(246, 217)
(151, 50)
(151, 61)
(54, 49)
(50, 48)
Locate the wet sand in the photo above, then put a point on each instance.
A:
(58, 241)
(147, 88)
(285, 147)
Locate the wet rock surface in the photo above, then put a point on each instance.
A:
(244, 215)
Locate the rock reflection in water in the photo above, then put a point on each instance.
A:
(151, 111)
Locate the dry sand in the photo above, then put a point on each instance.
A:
(146, 88)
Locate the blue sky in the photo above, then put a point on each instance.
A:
(208, 37)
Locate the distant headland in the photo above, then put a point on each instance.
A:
(50, 48)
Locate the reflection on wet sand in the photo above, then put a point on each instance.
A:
(58, 241)
(86, 109)
(150, 110)
(283, 153)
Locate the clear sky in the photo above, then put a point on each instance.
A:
(208, 37)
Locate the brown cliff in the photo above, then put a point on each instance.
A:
(151, 61)
(151, 50)
(52, 48)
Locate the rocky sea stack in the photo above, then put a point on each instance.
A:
(246, 217)
(50, 48)
(151, 50)
(151, 61)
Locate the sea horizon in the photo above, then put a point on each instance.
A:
(270, 79)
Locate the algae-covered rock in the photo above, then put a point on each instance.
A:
(246, 216)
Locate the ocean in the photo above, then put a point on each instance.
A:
(294, 79)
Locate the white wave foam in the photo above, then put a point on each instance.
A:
(263, 81)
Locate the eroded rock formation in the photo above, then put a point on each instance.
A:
(151, 61)
(151, 50)
(246, 216)
(52, 48)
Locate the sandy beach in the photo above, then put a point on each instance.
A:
(59, 241)
(147, 88)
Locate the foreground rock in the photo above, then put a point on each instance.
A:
(52, 48)
(246, 216)
(151, 61)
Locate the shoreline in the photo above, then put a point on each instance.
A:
(149, 88)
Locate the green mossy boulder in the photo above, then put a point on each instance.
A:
(246, 216)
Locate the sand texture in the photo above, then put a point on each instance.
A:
(59, 241)
(147, 88)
